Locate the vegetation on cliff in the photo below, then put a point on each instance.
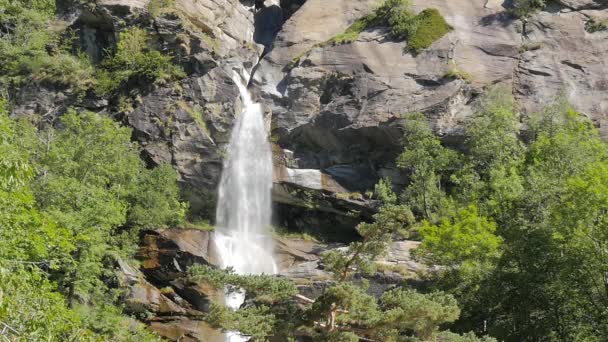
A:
(37, 48)
(525, 8)
(72, 202)
(419, 30)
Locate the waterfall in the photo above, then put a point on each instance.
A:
(243, 214)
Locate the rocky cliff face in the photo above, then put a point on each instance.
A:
(333, 110)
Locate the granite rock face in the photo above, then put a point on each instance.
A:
(334, 111)
(337, 108)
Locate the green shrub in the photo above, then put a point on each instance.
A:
(430, 27)
(400, 17)
(525, 8)
(30, 51)
(391, 12)
(352, 32)
(156, 8)
(135, 60)
(596, 25)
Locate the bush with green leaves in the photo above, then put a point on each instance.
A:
(36, 50)
(32, 52)
(135, 61)
(526, 8)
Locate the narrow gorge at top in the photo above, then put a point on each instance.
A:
(303, 170)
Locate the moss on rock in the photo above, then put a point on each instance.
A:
(431, 26)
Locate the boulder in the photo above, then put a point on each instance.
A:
(141, 297)
(165, 255)
(185, 330)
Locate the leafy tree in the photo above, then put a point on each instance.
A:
(32, 246)
(155, 203)
(491, 176)
(466, 239)
(407, 309)
(427, 162)
(25, 233)
(360, 255)
(93, 183)
(33, 310)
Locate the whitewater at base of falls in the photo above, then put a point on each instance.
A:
(242, 238)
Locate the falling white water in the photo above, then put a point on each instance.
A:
(244, 206)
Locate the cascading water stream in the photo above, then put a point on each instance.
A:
(243, 214)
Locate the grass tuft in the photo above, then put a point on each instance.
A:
(431, 26)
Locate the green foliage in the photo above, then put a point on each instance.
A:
(155, 204)
(346, 305)
(352, 32)
(448, 336)
(108, 322)
(430, 26)
(516, 224)
(465, 239)
(63, 226)
(255, 321)
(157, 8)
(427, 162)
(33, 53)
(400, 17)
(407, 309)
(360, 255)
(595, 24)
(34, 311)
(564, 147)
(491, 175)
(93, 183)
(266, 288)
(337, 336)
(135, 61)
(526, 8)
(419, 30)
